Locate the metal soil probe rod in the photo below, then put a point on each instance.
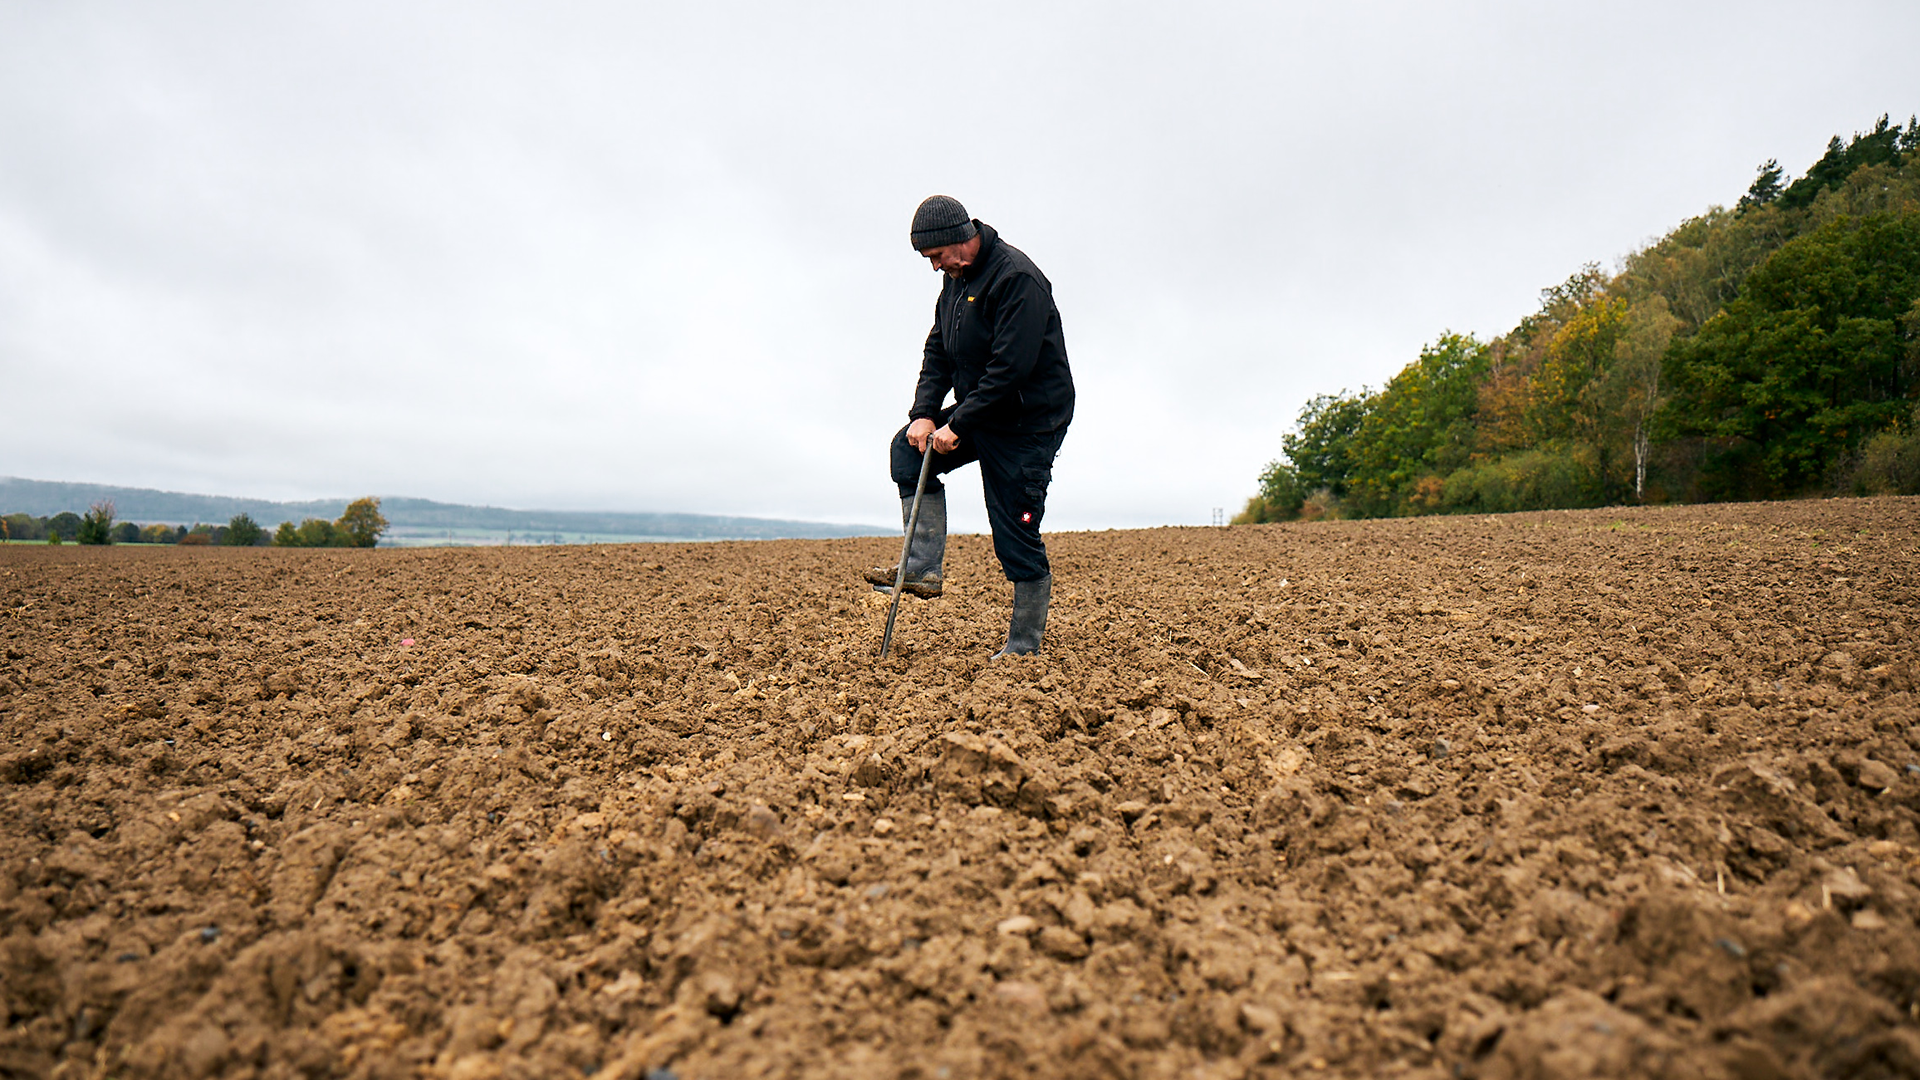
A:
(906, 545)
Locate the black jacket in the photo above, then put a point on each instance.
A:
(996, 343)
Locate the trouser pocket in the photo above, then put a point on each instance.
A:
(1033, 492)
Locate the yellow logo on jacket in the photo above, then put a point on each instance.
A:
(969, 299)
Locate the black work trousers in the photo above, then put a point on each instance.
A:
(1015, 470)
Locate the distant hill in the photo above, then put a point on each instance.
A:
(414, 521)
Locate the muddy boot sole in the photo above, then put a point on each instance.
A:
(926, 587)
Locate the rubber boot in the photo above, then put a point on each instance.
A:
(1030, 599)
(926, 553)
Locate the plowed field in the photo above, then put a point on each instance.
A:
(1610, 793)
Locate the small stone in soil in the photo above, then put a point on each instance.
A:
(1019, 924)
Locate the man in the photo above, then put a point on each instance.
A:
(996, 344)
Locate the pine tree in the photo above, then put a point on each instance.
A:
(1766, 187)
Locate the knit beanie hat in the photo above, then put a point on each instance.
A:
(940, 221)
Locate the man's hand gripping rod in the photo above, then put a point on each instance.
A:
(913, 521)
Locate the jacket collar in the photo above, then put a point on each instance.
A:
(989, 239)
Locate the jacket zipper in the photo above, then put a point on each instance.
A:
(953, 315)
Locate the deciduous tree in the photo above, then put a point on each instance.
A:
(316, 532)
(1561, 404)
(243, 531)
(361, 525)
(1631, 393)
(1279, 499)
(1320, 448)
(1421, 423)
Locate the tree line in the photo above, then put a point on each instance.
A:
(1770, 350)
(360, 526)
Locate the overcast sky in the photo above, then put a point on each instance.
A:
(654, 256)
